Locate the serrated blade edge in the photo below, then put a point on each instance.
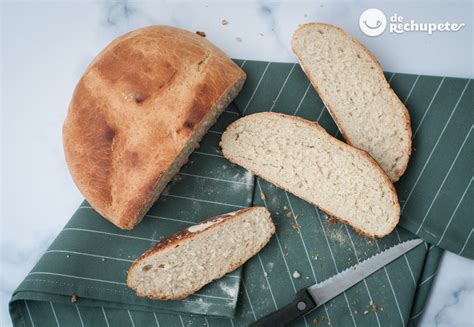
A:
(335, 285)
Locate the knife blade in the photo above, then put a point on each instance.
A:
(308, 299)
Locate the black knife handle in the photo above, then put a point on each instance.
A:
(301, 305)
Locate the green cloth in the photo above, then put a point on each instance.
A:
(436, 192)
(307, 241)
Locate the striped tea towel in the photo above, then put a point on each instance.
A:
(308, 245)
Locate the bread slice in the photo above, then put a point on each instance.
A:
(352, 85)
(139, 111)
(182, 264)
(300, 157)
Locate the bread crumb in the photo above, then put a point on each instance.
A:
(262, 196)
(288, 214)
(224, 22)
(103, 259)
(318, 320)
(374, 308)
(238, 39)
(265, 274)
(356, 312)
(316, 257)
(296, 274)
(366, 312)
(74, 298)
(200, 33)
(296, 226)
(331, 220)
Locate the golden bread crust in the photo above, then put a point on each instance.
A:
(135, 109)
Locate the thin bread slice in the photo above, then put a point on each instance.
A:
(300, 157)
(353, 87)
(180, 265)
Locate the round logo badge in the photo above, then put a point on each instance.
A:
(372, 22)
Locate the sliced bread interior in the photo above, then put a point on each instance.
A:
(180, 265)
(300, 157)
(354, 89)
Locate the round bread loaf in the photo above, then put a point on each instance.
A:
(138, 112)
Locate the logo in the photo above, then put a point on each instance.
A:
(372, 22)
(399, 26)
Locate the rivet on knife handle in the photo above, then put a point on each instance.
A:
(301, 305)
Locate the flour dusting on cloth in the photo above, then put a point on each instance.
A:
(203, 226)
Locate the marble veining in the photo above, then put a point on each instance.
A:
(46, 46)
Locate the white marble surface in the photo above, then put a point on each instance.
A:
(47, 45)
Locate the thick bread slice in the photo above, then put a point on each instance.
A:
(353, 87)
(138, 112)
(182, 264)
(300, 157)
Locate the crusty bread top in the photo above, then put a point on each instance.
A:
(134, 110)
(352, 85)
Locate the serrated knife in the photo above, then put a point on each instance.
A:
(308, 299)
